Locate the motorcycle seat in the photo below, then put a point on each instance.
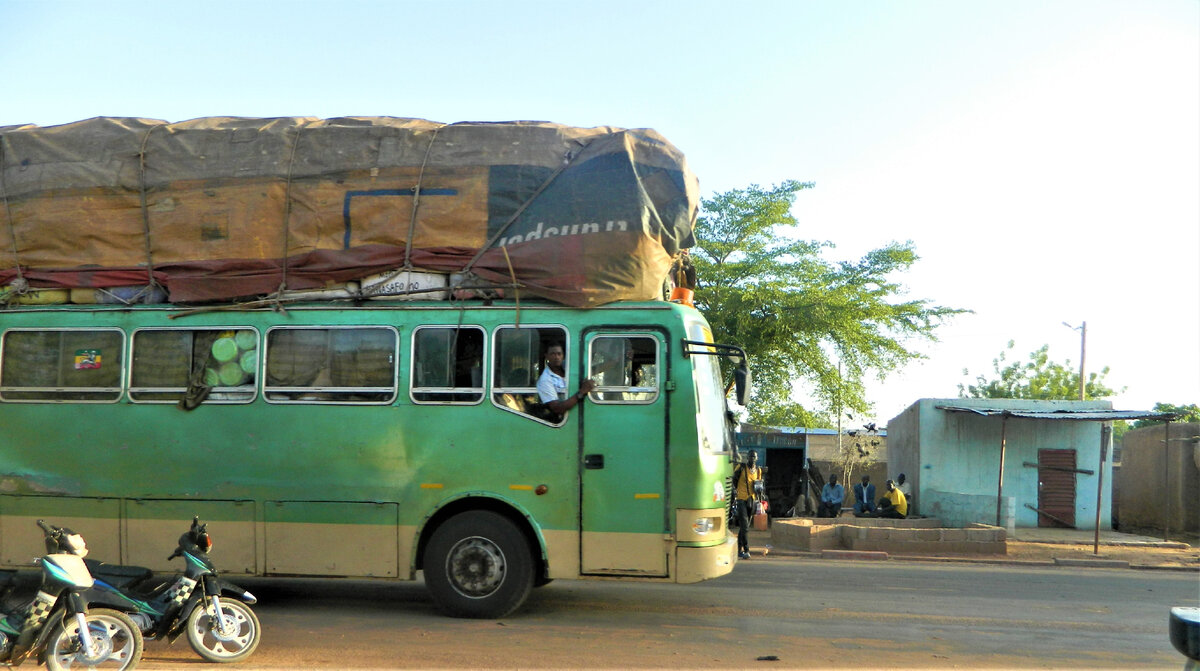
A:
(121, 577)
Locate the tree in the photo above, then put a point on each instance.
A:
(859, 450)
(1185, 413)
(798, 315)
(1038, 378)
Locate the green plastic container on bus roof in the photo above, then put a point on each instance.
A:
(211, 379)
(224, 349)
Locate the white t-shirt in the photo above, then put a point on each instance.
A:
(551, 386)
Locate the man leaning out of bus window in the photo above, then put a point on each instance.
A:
(552, 385)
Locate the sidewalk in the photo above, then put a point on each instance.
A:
(1040, 547)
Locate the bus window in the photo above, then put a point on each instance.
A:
(517, 358)
(168, 365)
(625, 369)
(331, 365)
(447, 364)
(62, 365)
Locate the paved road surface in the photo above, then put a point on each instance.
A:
(808, 614)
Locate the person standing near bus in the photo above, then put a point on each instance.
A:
(744, 478)
(552, 385)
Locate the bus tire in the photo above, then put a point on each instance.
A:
(478, 564)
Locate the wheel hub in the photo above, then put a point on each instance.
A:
(476, 567)
(225, 628)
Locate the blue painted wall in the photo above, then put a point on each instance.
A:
(956, 459)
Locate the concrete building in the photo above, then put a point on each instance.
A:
(783, 451)
(1007, 462)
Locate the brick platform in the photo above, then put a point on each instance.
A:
(920, 536)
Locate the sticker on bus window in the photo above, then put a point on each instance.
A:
(86, 359)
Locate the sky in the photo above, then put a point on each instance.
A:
(1042, 157)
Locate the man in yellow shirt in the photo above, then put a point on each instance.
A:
(744, 478)
(893, 504)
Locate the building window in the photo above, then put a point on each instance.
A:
(75, 365)
(331, 365)
(447, 364)
(196, 365)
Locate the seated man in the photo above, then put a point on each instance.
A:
(893, 504)
(906, 488)
(864, 497)
(832, 496)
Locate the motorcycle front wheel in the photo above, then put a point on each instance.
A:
(116, 643)
(234, 641)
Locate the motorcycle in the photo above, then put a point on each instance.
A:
(219, 630)
(56, 626)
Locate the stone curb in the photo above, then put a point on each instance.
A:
(1026, 563)
(1091, 563)
(853, 554)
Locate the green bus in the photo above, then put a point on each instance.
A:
(373, 440)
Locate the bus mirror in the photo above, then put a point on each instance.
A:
(741, 383)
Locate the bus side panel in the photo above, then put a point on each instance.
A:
(333, 539)
(153, 527)
(96, 519)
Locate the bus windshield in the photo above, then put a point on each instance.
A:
(710, 395)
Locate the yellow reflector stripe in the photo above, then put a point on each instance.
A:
(523, 488)
(645, 496)
(431, 485)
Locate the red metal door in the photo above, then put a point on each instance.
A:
(1056, 488)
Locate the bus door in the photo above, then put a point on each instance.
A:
(623, 479)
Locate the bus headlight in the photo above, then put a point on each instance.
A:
(699, 525)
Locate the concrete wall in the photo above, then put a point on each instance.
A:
(959, 453)
(1156, 477)
(823, 446)
(960, 510)
(904, 454)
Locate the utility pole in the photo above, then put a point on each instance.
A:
(1082, 356)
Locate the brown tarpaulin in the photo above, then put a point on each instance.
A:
(227, 208)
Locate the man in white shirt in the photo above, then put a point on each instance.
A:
(552, 385)
(906, 487)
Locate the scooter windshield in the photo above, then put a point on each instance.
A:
(67, 570)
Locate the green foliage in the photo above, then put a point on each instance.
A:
(1038, 378)
(1185, 413)
(797, 314)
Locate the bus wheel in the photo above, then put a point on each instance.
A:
(478, 565)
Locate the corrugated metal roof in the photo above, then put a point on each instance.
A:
(1068, 415)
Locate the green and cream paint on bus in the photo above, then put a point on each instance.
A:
(371, 441)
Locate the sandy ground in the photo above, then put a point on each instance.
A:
(1132, 549)
(1135, 555)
